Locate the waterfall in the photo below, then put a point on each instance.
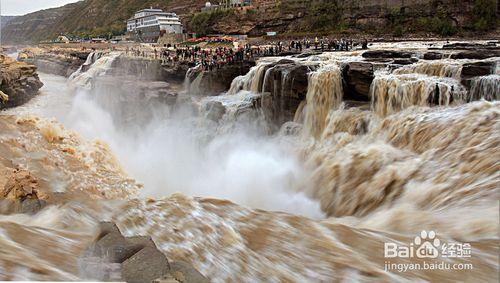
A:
(440, 68)
(485, 87)
(393, 93)
(251, 81)
(91, 58)
(96, 65)
(324, 93)
(193, 79)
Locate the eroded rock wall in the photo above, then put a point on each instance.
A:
(19, 82)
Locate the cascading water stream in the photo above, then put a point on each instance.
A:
(393, 93)
(438, 68)
(96, 65)
(252, 81)
(324, 94)
(485, 87)
(379, 176)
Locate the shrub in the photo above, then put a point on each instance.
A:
(484, 12)
(202, 23)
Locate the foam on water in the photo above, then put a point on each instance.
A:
(361, 178)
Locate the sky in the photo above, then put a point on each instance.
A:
(22, 7)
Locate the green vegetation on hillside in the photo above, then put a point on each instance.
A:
(325, 16)
(440, 23)
(98, 18)
(88, 18)
(484, 15)
(203, 23)
(106, 18)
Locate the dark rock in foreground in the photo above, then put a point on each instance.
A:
(133, 259)
(145, 266)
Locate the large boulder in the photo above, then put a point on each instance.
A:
(145, 266)
(218, 80)
(405, 61)
(56, 65)
(185, 273)
(19, 82)
(114, 257)
(470, 71)
(141, 68)
(482, 68)
(386, 54)
(433, 56)
(126, 97)
(176, 71)
(56, 61)
(284, 87)
(358, 77)
(215, 110)
(468, 45)
(475, 54)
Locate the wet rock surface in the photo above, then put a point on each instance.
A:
(140, 68)
(19, 82)
(134, 260)
(215, 110)
(386, 54)
(130, 94)
(56, 61)
(433, 56)
(481, 68)
(218, 80)
(176, 71)
(475, 54)
(61, 66)
(285, 86)
(471, 71)
(405, 61)
(469, 45)
(358, 77)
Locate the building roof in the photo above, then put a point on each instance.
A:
(150, 10)
(155, 11)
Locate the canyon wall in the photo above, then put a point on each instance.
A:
(19, 82)
(389, 17)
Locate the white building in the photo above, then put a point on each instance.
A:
(149, 24)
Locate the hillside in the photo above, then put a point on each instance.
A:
(389, 17)
(5, 19)
(87, 18)
(34, 26)
(371, 17)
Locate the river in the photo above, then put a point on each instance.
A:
(314, 201)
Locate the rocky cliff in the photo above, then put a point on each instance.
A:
(4, 20)
(19, 82)
(373, 17)
(86, 18)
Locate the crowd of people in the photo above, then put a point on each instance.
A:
(210, 58)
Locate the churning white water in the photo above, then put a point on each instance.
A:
(175, 150)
